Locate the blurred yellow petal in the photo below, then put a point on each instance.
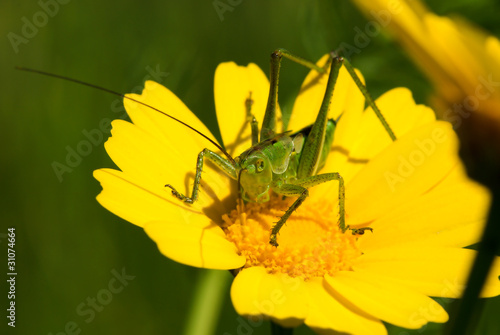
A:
(460, 58)
(433, 271)
(493, 48)
(455, 53)
(194, 245)
(232, 87)
(379, 298)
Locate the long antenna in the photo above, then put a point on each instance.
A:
(132, 99)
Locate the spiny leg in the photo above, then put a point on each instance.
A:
(313, 147)
(269, 123)
(302, 61)
(323, 178)
(288, 190)
(251, 118)
(300, 187)
(219, 161)
(367, 96)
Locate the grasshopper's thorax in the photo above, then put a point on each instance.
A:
(262, 164)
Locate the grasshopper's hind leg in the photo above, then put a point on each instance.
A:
(268, 128)
(368, 97)
(287, 190)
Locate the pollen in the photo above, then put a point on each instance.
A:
(310, 244)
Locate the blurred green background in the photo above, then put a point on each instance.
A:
(67, 244)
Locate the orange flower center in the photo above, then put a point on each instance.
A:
(310, 244)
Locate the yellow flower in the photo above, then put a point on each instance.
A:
(463, 62)
(412, 192)
(456, 55)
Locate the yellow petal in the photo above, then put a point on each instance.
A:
(407, 20)
(392, 303)
(190, 244)
(161, 126)
(327, 315)
(129, 200)
(402, 115)
(346, 96)
(151, 163)
(492, 45)
(360, 136)
(277, 296)
(433, 271)
(232, 87)
(453, 48)
(451, 214)
(408, 168)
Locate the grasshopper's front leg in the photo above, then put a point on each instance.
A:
(219, 161)
(254, 126)
(288, 190)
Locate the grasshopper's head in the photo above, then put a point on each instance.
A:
(256, 175)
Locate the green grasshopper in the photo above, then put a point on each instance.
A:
(286, 163)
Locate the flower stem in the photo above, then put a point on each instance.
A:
(207, 303)
(276, 329)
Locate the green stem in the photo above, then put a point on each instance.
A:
(276, 329)
(208, 298)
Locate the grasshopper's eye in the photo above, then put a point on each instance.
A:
(259, 164)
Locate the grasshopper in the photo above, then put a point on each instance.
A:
(284, 163)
